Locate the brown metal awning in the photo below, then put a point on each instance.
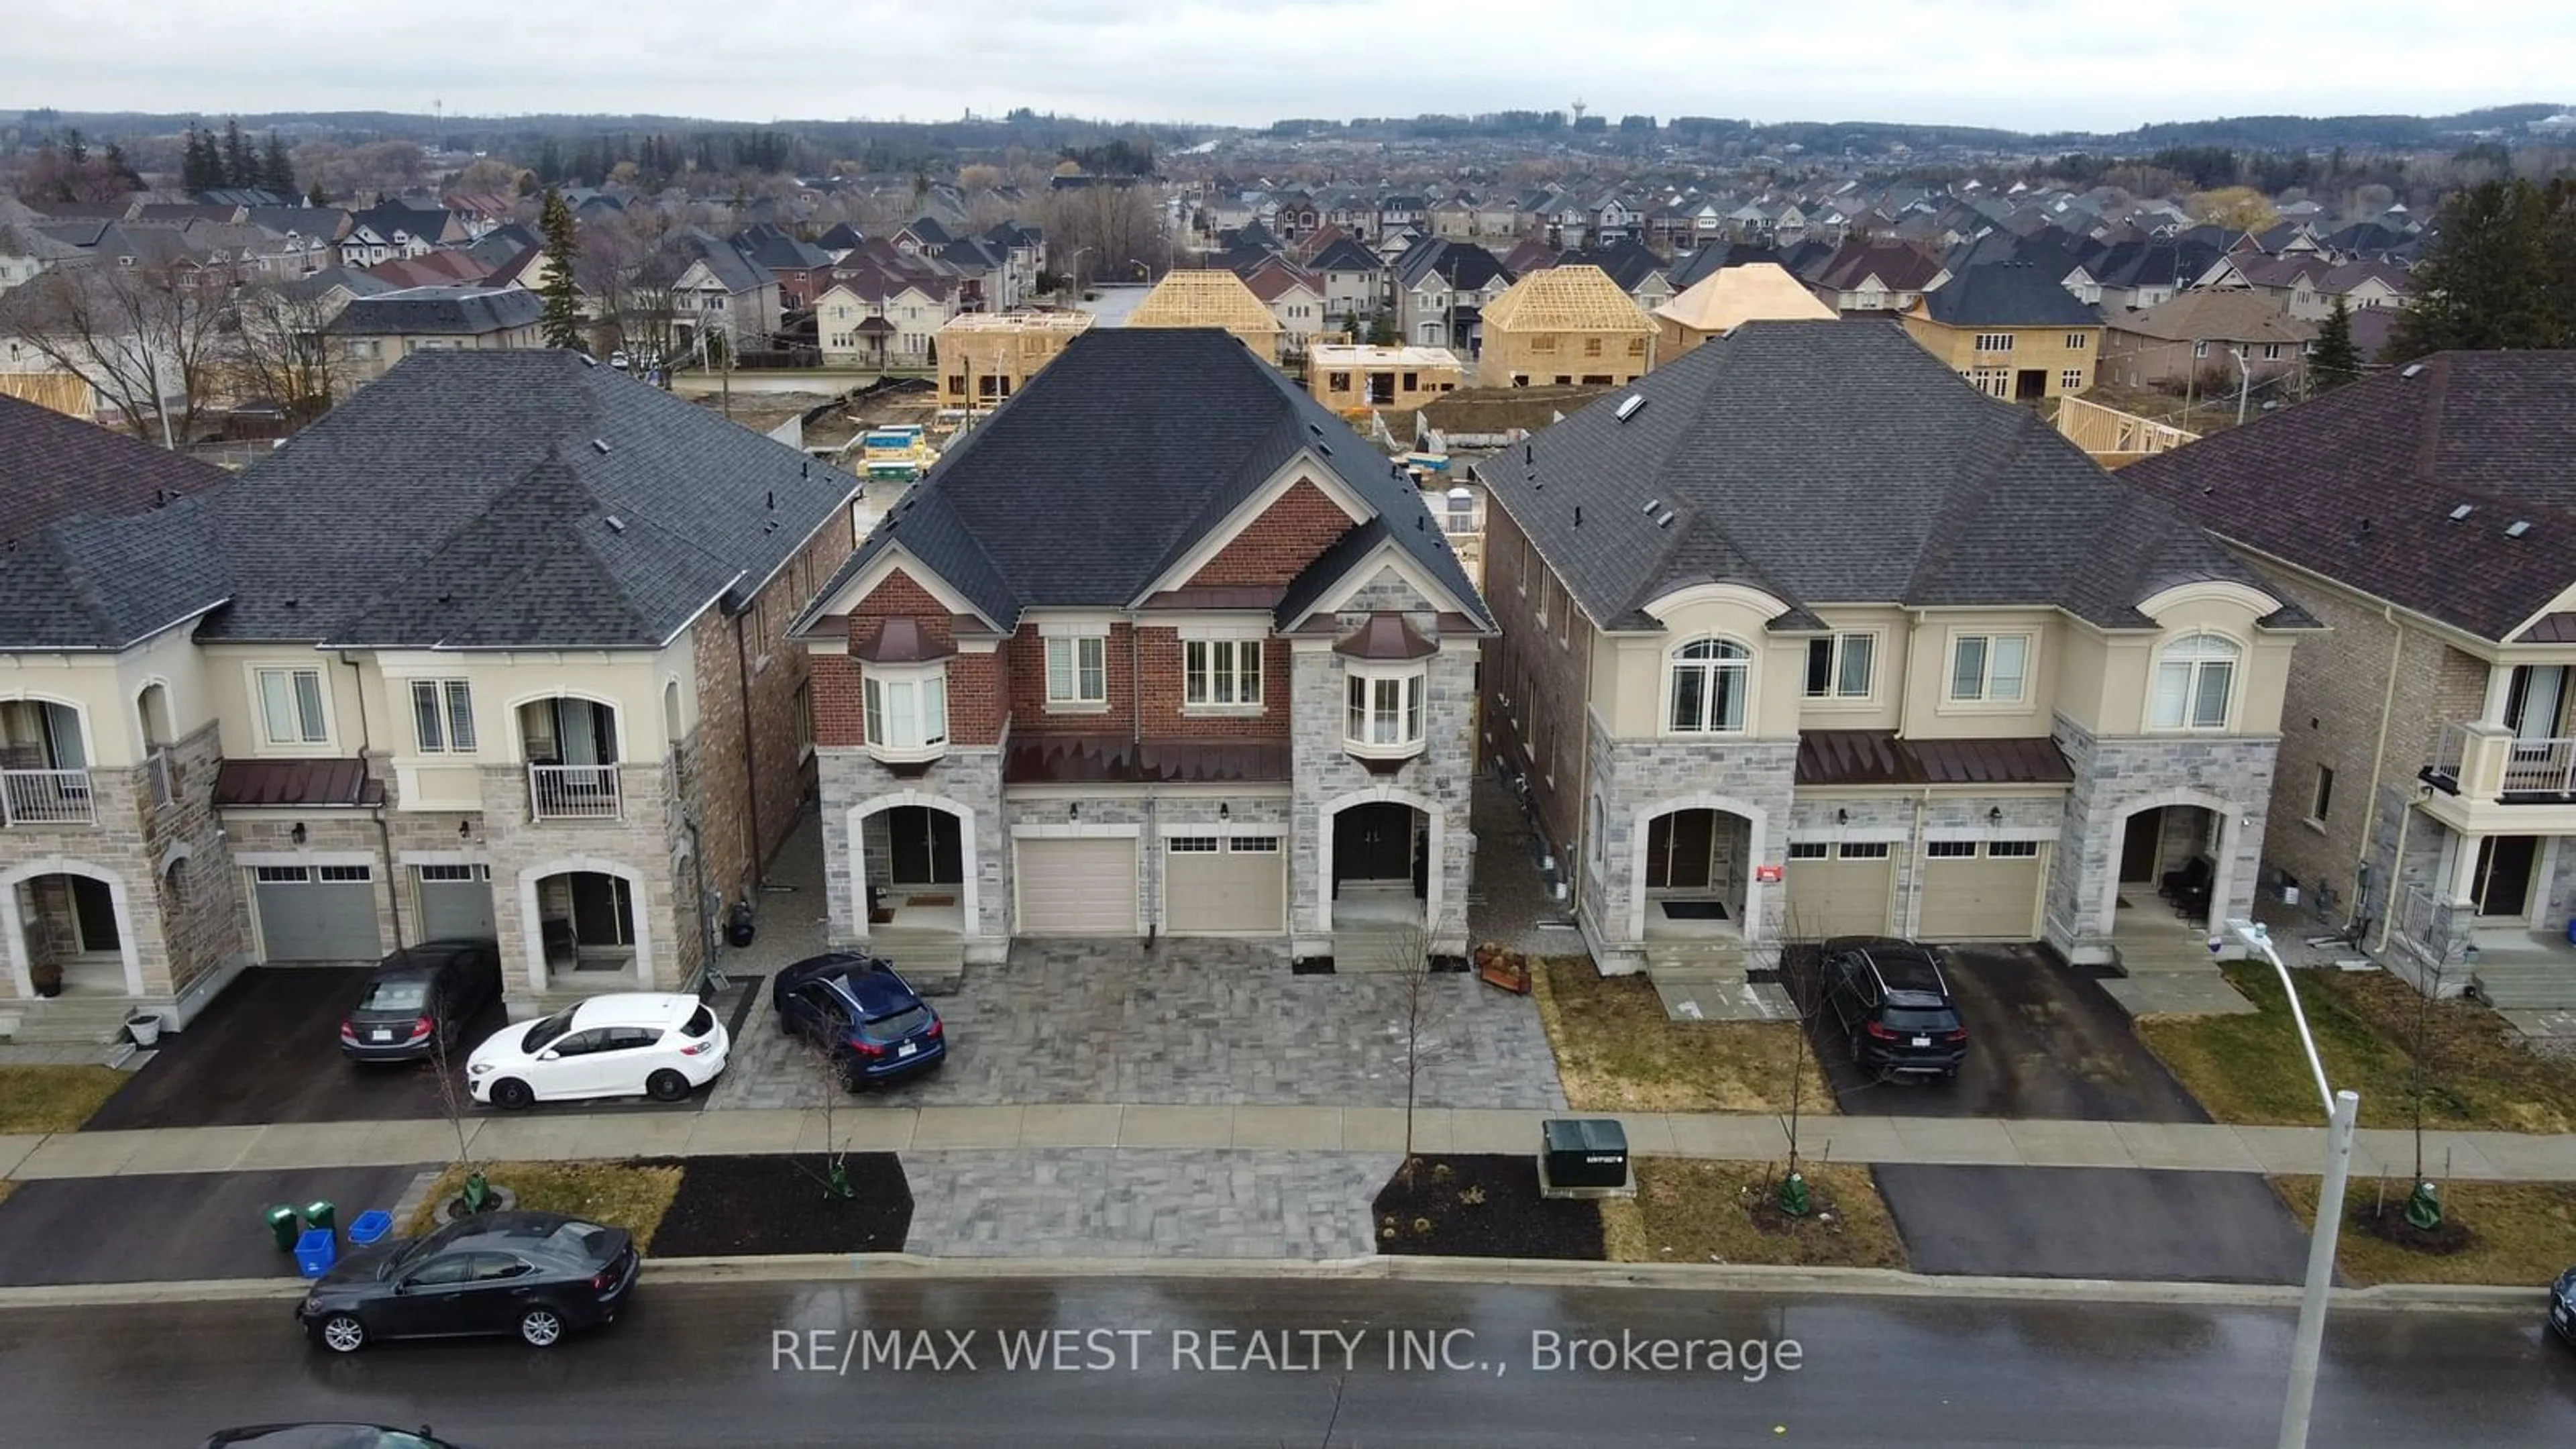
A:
(245, 783)
(1116, 760)
(1386, 636)
(900, 641)
(1878, 757)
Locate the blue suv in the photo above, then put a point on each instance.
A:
(855, 1007)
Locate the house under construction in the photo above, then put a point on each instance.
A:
(1727, 299)
(1565, 325)
(1353, 378)
(984, 357)
(1211, 299)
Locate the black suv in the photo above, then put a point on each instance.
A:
(1895, 1005)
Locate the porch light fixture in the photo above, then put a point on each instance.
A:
(1224, 811)
(297, 834)
(1842, 817)
(465, 830)
(1073, 811)
(1994, 815)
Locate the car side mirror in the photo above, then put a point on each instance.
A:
(549, 1056)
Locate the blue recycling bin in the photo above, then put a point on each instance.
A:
(316, 1251)
(369, 1226)
(2571, 930)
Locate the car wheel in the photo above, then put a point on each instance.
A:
(541, 1327)
(510, 1094)
(666, 1086)
(341, 1333)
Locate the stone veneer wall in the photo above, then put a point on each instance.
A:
(969, 777)
(641, 843)
(2116, 776)
(1660, 774)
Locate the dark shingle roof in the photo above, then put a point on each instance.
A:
(1345, 255)
(101, 534)
(1837, 465)
(2008, 294)
(439, 311)
(2359, 485)
(1109, 466)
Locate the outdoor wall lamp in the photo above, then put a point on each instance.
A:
(297, 834)
(1073, 811)
(1994, 815)
(1842, 817)
(465, 830)
(1224, 811)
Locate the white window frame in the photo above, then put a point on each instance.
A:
(2321, 795)
(1221, 676)
(303, 738)
(1390, 719)
(2076, 342)
(1986, 695)
(2070, 379)
(2197, 655)
(1994, 342)
(919, 733)
(442, 717)
(1838, 666)
(1809, 850)
(2012, 850)
(1067, 666)
(1710, 720)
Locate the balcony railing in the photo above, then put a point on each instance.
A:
(574, 792)
(46, 797)
(2488, 762)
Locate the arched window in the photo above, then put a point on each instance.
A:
(1710, 680)
(2195, 679)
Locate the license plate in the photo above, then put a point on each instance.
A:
(1923, 1041)
(907, 1049)
(380, 1036)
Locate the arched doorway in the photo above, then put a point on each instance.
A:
(1693, 870)
(72, 924)
(912, 866)
(1378, 865)
(587, 926)
(2173, 871)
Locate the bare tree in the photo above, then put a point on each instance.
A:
(280, 350)
(450, 1086)
(1110, 228)
(623, 272)
(1420, 1008)
(1802, 981)
(145, 337)
(830, 1076)
(2423, 1200)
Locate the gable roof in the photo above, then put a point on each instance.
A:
(1732, 296)
(2007, 294)
(1566, 298)
(1902, 266)
(439, 311)
(2358, 485)
(1345, 255)
(1107, 468)
(2221, 314)
(1837, 465)
(101, 546)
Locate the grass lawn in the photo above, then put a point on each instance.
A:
(53, 1099)
(1688, 1211)
(1616, 1051)
(2520, 1232)
(629, 1195)
(2250, 1069)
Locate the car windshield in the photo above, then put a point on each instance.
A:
(401, 993)
(896, 1025)
(547, 1032)
(1900, 1018)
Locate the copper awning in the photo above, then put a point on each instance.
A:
(246, 783)
(1879, 757)
(1117, 760)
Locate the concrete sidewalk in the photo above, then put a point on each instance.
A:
(2493, 1156)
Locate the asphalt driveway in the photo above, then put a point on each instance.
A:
(173, 1227)
(2094, 1222)
(2044, 1041)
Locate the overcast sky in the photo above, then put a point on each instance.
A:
(2026, 64)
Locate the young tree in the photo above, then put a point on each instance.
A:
(449, 1084)
(2336, 361)
(561, 321)
(1420, 1007)
(1381, 328)
(1802, 980)
(830, 1077)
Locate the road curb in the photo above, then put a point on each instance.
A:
(1522, 1272)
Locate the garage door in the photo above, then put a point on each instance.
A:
(1217, 883)
(1077, 887)
(455, 900)
(1839, 890)
(317, 913)
(1987, 891)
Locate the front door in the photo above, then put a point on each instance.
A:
(2142, 847)
(928, 847)
(1374, 843)
(1678, 847)
(2504, 874)
(94, 908)
(435, 1299)
(603, 909)
(2030, 385)
(2533, 705)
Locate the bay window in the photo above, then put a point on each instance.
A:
(2195, 678)
(906, 713)
(1709, 683)
(1384, 715)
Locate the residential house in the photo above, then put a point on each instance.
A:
(880, 319)
(2427, 799)
(1727, 299)
(717, 290)
(2198, 333)
(1352, 379)
(1564, 325)
(1869, 274)
(1802, 639)
(1160, 649)
(1354, 282)
(803, 270)
(840, 241)
(1441, 291)
(373, 333)
(497, 647)
(1453, 219)
(384, 233)
(1637, 271)
(1294, 297)
(985, 357)
(2011, 330)
(1210, 299)
(26, 250)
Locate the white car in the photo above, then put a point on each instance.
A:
(649, 1044)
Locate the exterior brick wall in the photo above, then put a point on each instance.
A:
(1541, 731)
(1277, 546)
(1160, 670)
(1024, 656)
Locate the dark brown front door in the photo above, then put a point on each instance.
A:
(928, 850)
(2504, 874)
(1373, 842)
(2030, 385)
(1677, 850)
(2140, 845)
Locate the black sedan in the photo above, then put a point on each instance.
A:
(419, 999)
(2562, 1305)
(538, 1275)
(860, 1012)
(325, 1436)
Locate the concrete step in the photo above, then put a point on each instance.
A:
(81, 1020)
(2520, 986)
(2142, 955)
(1696, 960)
(933, 961)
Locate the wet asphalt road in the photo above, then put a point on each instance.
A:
(705, 1366)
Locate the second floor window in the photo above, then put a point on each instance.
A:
(442, 712)
(1710, 681)
(290, 707)
(1839, 667)
(1989, 668)
(1221, 671)
(1077, 669)
(1994, 342)
(907, 711)
(2195, 677)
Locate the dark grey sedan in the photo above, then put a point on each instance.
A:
(537, 1275)
(419, 999)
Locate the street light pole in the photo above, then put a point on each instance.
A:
(2343, 1110)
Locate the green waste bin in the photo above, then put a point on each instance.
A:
(320, 1214)
(282, 1226)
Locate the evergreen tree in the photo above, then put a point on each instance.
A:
(276, 168)
(561, 321)
(123, 169)
(317, 196)
(200, 169)
(2336, 360)
(75, 149)
(239, 168)
(2495, 275)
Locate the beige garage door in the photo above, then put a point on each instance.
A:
(1077, 887)
(1839, 890)
(1982, 892)
(1217, 883)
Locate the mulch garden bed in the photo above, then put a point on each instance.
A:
(775, 1204)
(1484, 1205)
(2387, 1222)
